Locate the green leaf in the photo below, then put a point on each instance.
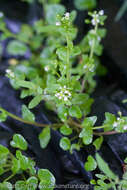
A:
(3, 115)
(52, 10)
(24, 161)
(20, 185)
(65, 143)
(89, 121)
(109, 120)
(85, 4)
(80, 99)
(47, 179)
(76, 51)
(1, 170)
(75, 111)
(74, 147)
(19, 142)
(65, 130)
(25, 84)
(87, 132)
(6, 186)
(103, 166)
(44, 137)
(31, 166)
(27, 114)
(62, 112)
(91, 164)
(35, 101)
(15, 165)
(62, 53)
(32, 183)
(98, 142)
(16, 48)
(3, 150)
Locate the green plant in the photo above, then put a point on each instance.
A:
(61, 73)
(107, 179)
(61, 84)
(23, 167)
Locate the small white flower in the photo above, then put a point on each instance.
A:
(93, 22)
(10, 73)
(101, 12)
(85, 67)
(65, 98)
(60, 97)
(115, 124)
(67, 15)
(98, 38)
(46, 68)
(45, 92)
(58, 23)
(66, 91)
(125, 127)
(90, 42)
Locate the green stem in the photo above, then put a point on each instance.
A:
(8, 178)
(73, 138)
(25, 121)
(68, 60)
(56, 125)
(90, 57)
(100, 127)
(93, 43)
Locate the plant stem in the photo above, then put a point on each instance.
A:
(93, 43)
(8, 178)
(105, 133)
(73, 138)
(57, 125)
(91, 55)
(99, 127)
(27, 122)
(68, 59)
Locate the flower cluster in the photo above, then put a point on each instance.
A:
(64, 94)
(119, 122)
(96, 18)
(65, 18)
(89, 67)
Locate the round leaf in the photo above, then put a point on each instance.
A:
(47, 179)
(19, 142)
(91, 164)
(75, 111)
(65, 130)
(16, 48)
(97, 143)
(52, 10)
(21, 185)
(32, 183)
(27, 114)
(65, 143)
